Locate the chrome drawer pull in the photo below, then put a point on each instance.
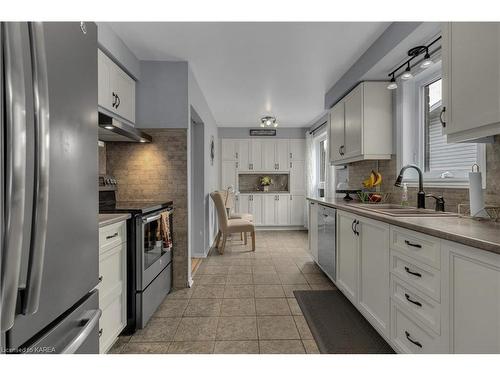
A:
(412, 301)
(413, 244)
(112, 236)
(412, 273)
(414, 342)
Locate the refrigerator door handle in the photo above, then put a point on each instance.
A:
(88, 324)
(15, 167)
(42, 164)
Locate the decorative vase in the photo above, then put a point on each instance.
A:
(266, 188)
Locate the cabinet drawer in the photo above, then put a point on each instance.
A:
(111, 236)
(418, 275)
(111, 271)
(423, 308)
(409, 336)
(419, 246)
(111, 323)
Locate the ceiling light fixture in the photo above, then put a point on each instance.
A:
(427, 60)
(407, 74)
(268, 121)
(109, 127)
(392, 84)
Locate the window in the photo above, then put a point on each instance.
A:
(421, 138)
(321, 146)
(322, 161)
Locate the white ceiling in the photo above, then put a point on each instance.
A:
(247, 70)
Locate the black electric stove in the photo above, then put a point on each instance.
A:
(149, 261)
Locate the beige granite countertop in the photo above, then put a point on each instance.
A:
(480, 234)
(108, 219)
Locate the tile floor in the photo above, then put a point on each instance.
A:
(241, 302)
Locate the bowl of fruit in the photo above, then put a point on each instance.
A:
(370, 192)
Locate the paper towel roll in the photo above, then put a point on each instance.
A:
(476, 196)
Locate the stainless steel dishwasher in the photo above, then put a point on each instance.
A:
(326, 240)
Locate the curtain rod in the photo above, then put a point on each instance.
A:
(317, 127)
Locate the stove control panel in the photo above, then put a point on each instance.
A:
(107, 182)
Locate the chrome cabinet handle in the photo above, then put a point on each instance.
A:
(119, 101)
(236, 155)
(356, 228)
(408, 243)
(88, 325)
(15, 168)
(291, 165)
(412, 272)
(291, 155)
(443, 123)
(352, 226)
(42, 160)
(114, 100)
(112, 236)
(150, 219)
(414, 342)
(236, 164)
(412, 301)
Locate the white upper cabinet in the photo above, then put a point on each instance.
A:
(228, 174)
(297, 149)
(268, 161)
(275, 155)
(116, 89)
(281, 155)
(255, 158)
(229, 149)
(471, 80)
(361, 125)
(243, 154)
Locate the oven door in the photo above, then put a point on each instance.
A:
(153, 256)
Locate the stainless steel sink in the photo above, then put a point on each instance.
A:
(400, 211)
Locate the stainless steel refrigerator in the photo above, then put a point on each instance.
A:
(49, 218)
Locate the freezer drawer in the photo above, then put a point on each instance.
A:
(77, 332)
(326, 240)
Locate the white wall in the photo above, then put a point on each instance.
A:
(211, 171)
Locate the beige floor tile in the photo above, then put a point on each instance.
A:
(196, 329)
(277, 328)
(210, 279)
(208, 291)
(266, 278)
(310, 268)
(262, 262)
(146, 348)
(316, 278)
(310, 346)
(294, 306)
(240, 279)
(272, 306)
(303, 328)
(171, 308)
(292, 278)
(241, 263)
(181, 293)
(157, 329)
(238, 307)
(236, 347)
(290, 288)
(238, 270)
(213, 270)
(239, 291)
(119, 345)
(281, 347)
(203, 307)
(263, 269)
(191, 347)
(323, 286)
(269, 291)
(287, 268)
(237, 328)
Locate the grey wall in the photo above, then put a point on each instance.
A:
(389, 40)
(162, 95)
(242, 133)
(210, 171)
(114, 47)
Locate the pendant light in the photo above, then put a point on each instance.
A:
(392, 84)
(427, 60)
(407, 74)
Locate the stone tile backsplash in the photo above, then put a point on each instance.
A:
(359, 171)
(156, 171)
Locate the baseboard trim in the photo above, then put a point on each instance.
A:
(263, 228)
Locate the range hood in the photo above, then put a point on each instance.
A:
(114, 130)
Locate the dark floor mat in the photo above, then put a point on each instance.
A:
(337, 326)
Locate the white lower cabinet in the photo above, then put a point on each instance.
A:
(252, 204)
(113, 284)
(347, 256)
(297, 209)
(276, 210)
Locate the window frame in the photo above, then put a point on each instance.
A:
(323, 136)
(410, 119)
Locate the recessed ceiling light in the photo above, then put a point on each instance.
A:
(109, 127)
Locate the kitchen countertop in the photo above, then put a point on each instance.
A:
(108, 219)
(483, 235)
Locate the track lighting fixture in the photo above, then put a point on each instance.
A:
(407, 74)
(427, 61)
(392, 84)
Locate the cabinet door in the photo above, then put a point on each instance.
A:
(281, 155)
(474, 299)
(336, 133)
(374, 273)
(347, 256)
(354, 123)
(297, 149)
(282, 209)
(243, 154)
(256, 155)
(229, 148)
(269, 209)
(297, 177)
(471, 78)
(104, 96)
(297, 205)
(268, 161)
(243, 203)
(256, 209)
(313, 230)
(228, 174)
(124, 88)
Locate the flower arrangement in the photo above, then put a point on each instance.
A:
(265, 181)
